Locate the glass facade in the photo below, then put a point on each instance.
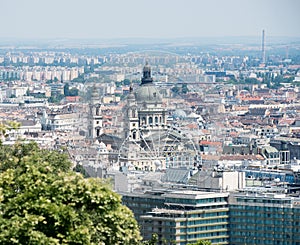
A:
(264, 220)
(189, 217)
(245, 218)
(142, 204)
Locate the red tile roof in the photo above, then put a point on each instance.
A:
(72, 98)
(212, 143)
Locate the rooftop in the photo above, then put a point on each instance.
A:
(190, 194)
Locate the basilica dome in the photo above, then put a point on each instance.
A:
(148, 93)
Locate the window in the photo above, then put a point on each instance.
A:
(150, 120)
(133, 113)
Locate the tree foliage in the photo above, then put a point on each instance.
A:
(43, 202)
(70, 92)
(184, 89)
(7, 126)
(175, 90)
(66, 89)
(126, 82)
(152, 241)
(56, 98)
(201, 242)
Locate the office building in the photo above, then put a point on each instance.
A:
(258, 216)
(182, 216)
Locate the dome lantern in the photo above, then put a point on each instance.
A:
(147, 74)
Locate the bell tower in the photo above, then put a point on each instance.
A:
(95, 119)
(131, 118)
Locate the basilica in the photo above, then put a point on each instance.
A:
(148, 142)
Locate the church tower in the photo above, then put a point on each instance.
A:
(95, 120)
(131, 124)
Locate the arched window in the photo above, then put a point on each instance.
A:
(133, 113)
(134, 135)
(150, 120)
(156, 119)
(143, 120)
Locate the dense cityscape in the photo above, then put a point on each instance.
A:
(201, 141)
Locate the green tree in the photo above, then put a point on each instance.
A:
(232, 81)
(175, 90)
(79, 169)
(79, 79)
(43, 202)
(251, 81)
(66, 89)
(200, 242)
(73, 92)
(152, 241)
(7, 126)
(126, 82)
(184, 89)
(56, 98)
(70, 92)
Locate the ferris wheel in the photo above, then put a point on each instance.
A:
(157, 147)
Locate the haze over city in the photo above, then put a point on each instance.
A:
(92, 19)
(140, 122)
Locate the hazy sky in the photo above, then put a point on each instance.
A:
(147, 19)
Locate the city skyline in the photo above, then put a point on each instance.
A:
(144, 19)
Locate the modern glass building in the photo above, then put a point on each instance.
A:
(187, 217)
(264, 218)
(250, 216)
(143, 203)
